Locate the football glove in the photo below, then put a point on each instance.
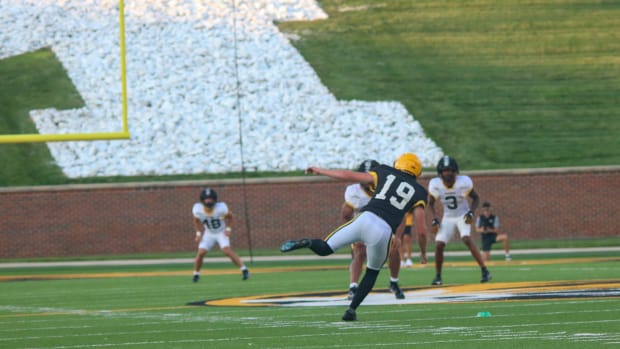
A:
(435, 226)
(468, 217)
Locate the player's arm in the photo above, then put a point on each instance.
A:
(431, 205)
(419, 218)
(475, 201)
(401, 228)
(344, 175)
(198, 227)
(228, 219)
(435, 222)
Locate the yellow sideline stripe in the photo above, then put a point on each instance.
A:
(161, 273)
(534, 262)
(92, 275)
(537, 285)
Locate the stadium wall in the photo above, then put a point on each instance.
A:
(91, 220)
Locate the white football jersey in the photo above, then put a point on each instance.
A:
(212, 219)
(356, 197)
(454, 199)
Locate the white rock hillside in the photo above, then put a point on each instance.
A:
(183, 60)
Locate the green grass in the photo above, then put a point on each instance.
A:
(30, 81)
(150, 311)
(453, 246)
(497, 84)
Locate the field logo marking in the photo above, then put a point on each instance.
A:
(509, 291)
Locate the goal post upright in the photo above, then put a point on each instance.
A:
(124, 134)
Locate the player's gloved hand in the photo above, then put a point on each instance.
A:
(468, 217)
(435, 226)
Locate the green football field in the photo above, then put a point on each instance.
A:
(535, 301)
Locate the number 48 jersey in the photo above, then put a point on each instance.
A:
(454, 199)
(212, 219)
(395, 194)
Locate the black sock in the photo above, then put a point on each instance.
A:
(320, 247)
(368, 281)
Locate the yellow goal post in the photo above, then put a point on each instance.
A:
(124, 134)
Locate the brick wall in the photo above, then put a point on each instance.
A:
(156, 217)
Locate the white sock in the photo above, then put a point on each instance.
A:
(196, 272)
(392, 279)
(353, 284)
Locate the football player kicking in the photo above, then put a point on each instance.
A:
(453, 190)
(396, 192)
(357, 196)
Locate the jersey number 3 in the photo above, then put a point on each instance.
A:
(404, 193)
(451, 202)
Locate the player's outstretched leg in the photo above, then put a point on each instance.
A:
(291, 245)
(320, 247)
(317, 246)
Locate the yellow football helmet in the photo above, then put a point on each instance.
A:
(409, 163)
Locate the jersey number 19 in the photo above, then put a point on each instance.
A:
(404, 193)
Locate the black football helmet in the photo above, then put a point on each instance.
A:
(447, 162)
(208, 193)
(367, 165)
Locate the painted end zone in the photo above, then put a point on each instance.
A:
(509, 291)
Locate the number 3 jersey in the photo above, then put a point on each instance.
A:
(212, 219)
(396, 192)
(454, 199)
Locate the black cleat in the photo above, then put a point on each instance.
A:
(291, 245)
(352, 291)
(246, 274)
(196, 278)
(396, 290)
(437, 281)
(349, 315)
(486, 276)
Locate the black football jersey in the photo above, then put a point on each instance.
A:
(486, 222)
(395, 194)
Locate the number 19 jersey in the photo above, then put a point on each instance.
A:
(395, 194)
